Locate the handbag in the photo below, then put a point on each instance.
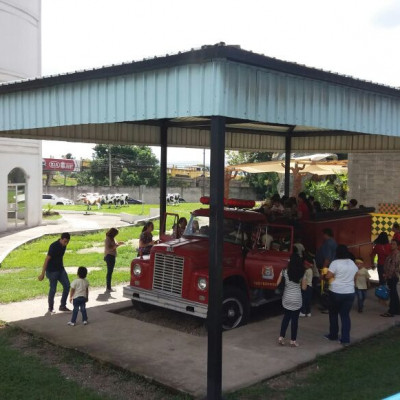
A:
(281, 287)
(382, 292)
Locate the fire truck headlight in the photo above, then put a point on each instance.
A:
(202, 283)
(137, 270)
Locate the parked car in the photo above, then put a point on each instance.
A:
(130, 200)
(54, 200)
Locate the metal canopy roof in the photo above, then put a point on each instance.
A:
(263, 99)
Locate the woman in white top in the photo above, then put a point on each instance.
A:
(291, 300)
(341, 295)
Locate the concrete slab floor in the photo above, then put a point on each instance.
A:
(179, 360)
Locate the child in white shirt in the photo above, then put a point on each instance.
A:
(79, 295)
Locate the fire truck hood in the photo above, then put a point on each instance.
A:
(186, 247)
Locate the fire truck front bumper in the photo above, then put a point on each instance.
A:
(165, 300)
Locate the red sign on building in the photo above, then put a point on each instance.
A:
(54, 164)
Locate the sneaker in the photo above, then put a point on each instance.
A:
(302, 315)
(110, 290)
(64, 308)
(71, 323)
(85, 322)
(309, 315)
(329, 337)
(293, 343)
(50, 311)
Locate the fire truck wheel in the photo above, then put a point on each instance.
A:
(142, 307)
(235, 308)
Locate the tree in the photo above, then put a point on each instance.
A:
(130, 166)
(264, 184)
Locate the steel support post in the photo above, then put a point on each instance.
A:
(288, 152)
(217, 164)
(163, 174)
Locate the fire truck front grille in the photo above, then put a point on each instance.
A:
(168, 273)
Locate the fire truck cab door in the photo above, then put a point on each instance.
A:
(270, 253)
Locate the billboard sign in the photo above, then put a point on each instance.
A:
(55, 164)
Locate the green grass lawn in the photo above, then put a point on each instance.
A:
(368, 370)
(32, 369)
(24, 264)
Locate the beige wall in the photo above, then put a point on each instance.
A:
(374, 178)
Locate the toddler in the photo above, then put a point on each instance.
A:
(79, 295)
(362, 282)
(306, 290)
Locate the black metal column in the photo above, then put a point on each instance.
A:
(217, 164)
(288, 152)
(163, 174)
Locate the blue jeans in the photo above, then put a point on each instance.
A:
(340, 305)
(110, 260)
(79, 303)
(361, 296)
(306, 296)
(287, 317)
(54, 277)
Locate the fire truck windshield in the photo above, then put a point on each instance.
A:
(234, 231)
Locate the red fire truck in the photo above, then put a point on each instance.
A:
(175, 274)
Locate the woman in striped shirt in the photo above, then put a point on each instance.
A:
(291, 300)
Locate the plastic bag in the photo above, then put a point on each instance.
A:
(382, 292)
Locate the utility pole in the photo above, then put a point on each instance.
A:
(109, 166)
(203, 189)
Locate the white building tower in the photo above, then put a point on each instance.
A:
(20, 160)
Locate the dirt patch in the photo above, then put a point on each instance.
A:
(73, 270)
(166, 318)
(100, 377)
(10, 271)
(89, 250)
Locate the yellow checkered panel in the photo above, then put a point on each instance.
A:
(383, 222)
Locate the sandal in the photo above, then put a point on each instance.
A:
(386, 314)
(281, 340)
(293, 343)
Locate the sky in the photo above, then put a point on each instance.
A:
(358, 38)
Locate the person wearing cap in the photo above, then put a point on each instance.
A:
(362, 283)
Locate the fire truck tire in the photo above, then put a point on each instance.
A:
(235, 308)
(142, 307)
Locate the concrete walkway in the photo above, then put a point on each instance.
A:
(179, 360)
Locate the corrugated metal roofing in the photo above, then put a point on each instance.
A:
(263, 99)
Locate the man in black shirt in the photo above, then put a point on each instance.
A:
(53, 267)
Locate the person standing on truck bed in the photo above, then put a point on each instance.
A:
(304, 207)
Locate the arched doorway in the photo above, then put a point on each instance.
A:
(16, 198)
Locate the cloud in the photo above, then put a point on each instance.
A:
(389, 16)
